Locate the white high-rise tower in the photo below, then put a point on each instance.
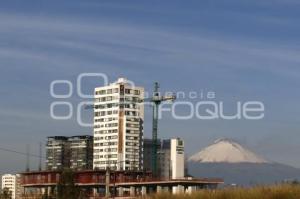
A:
(118, 126)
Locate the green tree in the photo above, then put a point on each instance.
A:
(6, 194)
(66, 188)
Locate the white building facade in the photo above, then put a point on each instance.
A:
(118, 126)
(177, 158)
(9, 182)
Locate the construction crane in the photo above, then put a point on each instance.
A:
(156, 99)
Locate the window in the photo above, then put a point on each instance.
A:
(101, 92)
(136, 92)
(127, 91)
(109, 91)
(115, 112)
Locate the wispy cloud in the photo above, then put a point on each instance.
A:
(138, 43)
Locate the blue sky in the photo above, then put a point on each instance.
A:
(241, 50)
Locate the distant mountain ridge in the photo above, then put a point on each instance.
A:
(227, 151)
(234, 163)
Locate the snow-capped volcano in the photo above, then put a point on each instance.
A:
(235, 164)
(226, 151)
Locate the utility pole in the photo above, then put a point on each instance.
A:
(40, 158)
(27, 158)
(107, 183)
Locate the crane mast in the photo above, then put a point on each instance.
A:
(157, 99)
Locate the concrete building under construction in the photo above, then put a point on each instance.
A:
(100, 183)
